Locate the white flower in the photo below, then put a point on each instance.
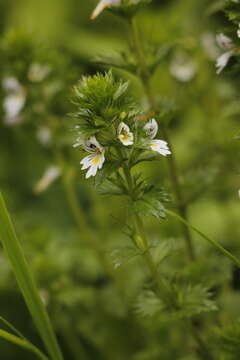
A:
(103, 4)
(183, 68)
(223, 60)
(38, 72)
(224, 41)
(226, 44)
(151, 128)
(12, 105)
(11, 84)
(160, 146)
(14, 100)
(124, 134)
(48, 177)
(94, 161)
(238, 31)
(44, 135)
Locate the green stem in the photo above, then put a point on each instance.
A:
(162, 288)
(210, 240)
(145, 77)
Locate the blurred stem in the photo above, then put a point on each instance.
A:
(145, 77)
(140, 232)
(80, 219)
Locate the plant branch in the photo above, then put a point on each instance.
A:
(145, 77)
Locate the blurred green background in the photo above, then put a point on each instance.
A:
(47, 46)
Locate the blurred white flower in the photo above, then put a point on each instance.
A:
(160, 146)
(224, 41)
(223, 60)
(44, 135)
(182, 68)
(226, 44)
(124, 134)
(208, 41)
(238, 31)
(38, 72)
(11, 84)
(103, 4)
(14, 100)
(49, 176)
(94, 161)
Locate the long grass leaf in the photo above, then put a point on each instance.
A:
(22, 343)
(26, 283)
(12, 327)
(210, 240)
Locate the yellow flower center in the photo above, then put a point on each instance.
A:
(125, 137)
(95, 160)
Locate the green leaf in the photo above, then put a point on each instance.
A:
(107, 170)
(118, 60)
(108, 187)
(210, 240)
(191, 300)
(188, 300)
(124, 255)
(8, 324)
(25, 344)
(151, 203)
(149, 207)
(149, 304)
(26, 282)
(229, 341)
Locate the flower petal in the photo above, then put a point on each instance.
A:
(124, 134)
(224, 41)
(151, 128)
(92, 145)
(223, 60)
(160, 146)
(103, 4)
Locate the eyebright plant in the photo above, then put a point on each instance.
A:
(119, 135)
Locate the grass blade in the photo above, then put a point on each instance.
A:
(210, 240)
(26, 283)
(22, 343)
(11, 327)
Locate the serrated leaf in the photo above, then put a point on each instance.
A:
(229, 341)
(121, 90)
(192, 300)
(149, 207)
(107, 187)
(124, 255)
(107, 170)
(149, 304)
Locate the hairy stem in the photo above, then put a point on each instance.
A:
(145, 77)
